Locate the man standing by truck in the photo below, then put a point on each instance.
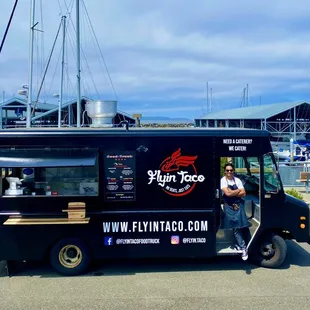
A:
(235, 217)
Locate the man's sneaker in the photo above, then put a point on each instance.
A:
(244, 254)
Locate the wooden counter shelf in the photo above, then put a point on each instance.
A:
(44, 221)
(76, 215)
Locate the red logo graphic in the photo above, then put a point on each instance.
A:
(173, 162)
(177, 175)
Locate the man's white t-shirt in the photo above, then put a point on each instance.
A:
(225, 182)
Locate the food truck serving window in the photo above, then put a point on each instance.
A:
(10, 158)
(49, 172)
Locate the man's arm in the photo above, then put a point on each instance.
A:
(242, 192)
(240, 186)
(231, 192)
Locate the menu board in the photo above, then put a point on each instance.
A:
(119, 176)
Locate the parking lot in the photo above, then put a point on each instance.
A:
(222, 283)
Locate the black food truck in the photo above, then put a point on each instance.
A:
(78, 194)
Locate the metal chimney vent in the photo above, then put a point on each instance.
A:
(101, 112)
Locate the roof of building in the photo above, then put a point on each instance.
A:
(39, 105)
(66, 104)
(44, 109)
(254, 112)
(55, 108)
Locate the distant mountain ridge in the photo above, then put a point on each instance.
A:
(165, 120)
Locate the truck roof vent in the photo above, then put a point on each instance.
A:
(101, 112)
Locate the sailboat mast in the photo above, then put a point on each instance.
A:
(208, 110)
(78, 63)
(62, 69)
(210, 99)
(30, 70)
(8, 26)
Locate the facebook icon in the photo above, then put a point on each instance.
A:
(108, 240)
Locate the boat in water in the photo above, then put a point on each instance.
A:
(282, 150)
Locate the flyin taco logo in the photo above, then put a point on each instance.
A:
(177, 175)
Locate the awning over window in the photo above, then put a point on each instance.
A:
(32, 158)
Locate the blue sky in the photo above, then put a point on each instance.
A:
(160, 54)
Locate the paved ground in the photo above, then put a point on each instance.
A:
(223, 283)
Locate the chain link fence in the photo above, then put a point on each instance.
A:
(290, 172)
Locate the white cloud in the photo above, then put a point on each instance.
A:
(167, 50)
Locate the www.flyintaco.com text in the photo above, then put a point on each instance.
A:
(154, 226)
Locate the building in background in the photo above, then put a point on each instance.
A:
(13, 113)
(283, 120)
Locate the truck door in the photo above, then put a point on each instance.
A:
(273, 193)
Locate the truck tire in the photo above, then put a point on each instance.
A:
(270, 251)
(70, 257)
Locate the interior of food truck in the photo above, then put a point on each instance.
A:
(49, 181)
(48, 172)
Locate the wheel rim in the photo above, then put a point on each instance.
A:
(70, 256)
(267, 250)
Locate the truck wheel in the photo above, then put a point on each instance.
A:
(270, 251)
(70, 257)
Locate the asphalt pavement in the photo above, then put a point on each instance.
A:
(222, 283)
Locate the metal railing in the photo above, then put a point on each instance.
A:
(290, 172)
